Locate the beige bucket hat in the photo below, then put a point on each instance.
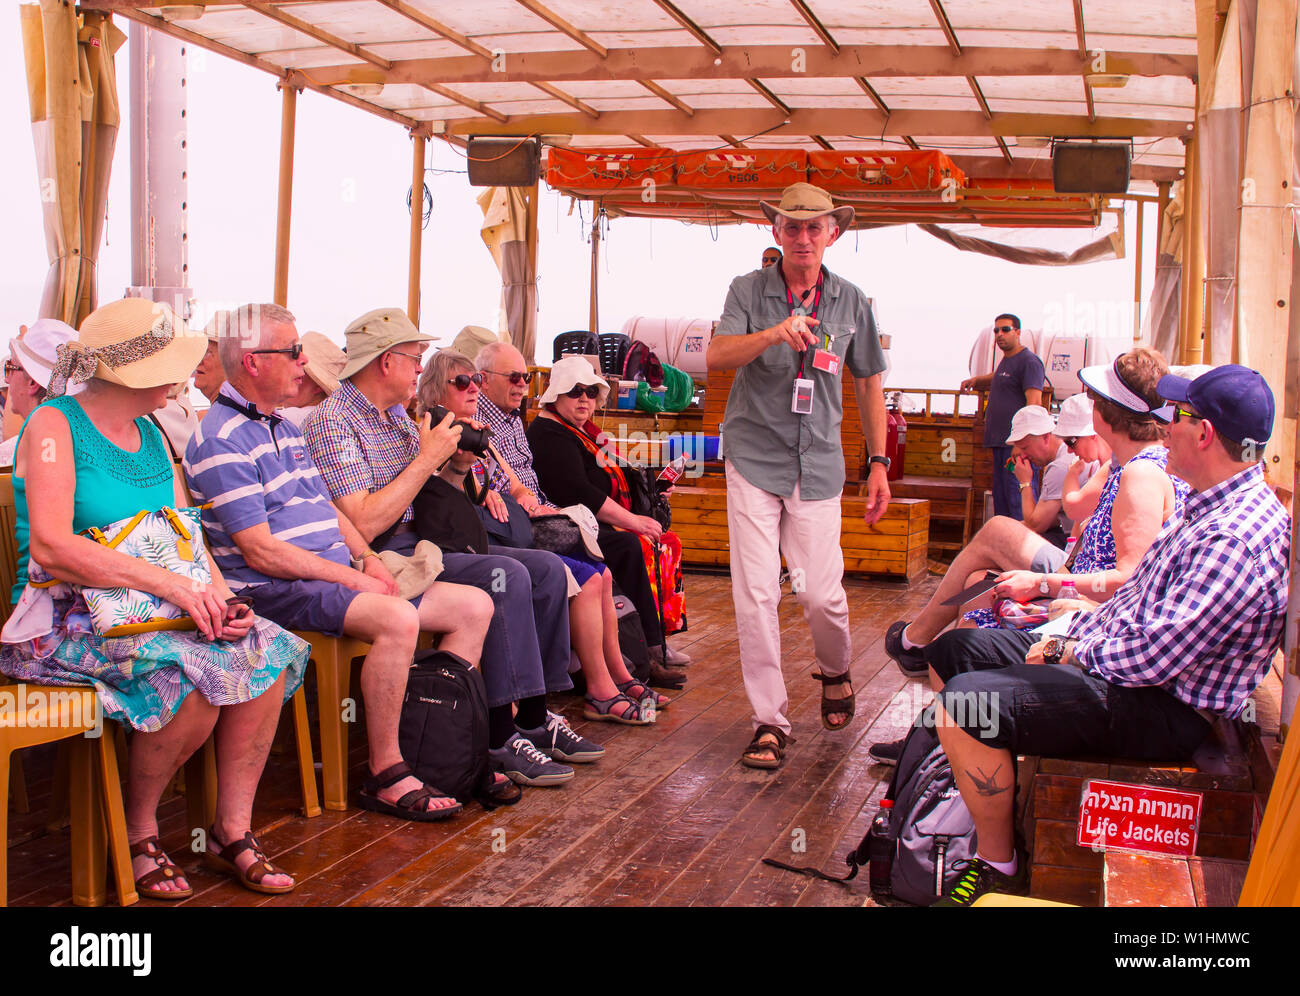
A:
(569, 371)
(375, 333)
(133, 342)
(325, 361)
(803, 202)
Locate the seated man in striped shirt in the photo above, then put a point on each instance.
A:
(280, 541)
(1186, 640)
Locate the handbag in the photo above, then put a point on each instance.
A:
(168, 538)
(558, 534)
(1012, 614)
(644, 496)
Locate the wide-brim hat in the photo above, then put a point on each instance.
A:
(37, 351)
(325, 361)
(803, 202)
(1075, 419)
(1032, 420)
(133, 342)
(375, 333)
(570, 371)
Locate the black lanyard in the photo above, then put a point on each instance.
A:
(810, 312)
(251, 412)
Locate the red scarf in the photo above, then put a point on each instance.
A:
(606, 459)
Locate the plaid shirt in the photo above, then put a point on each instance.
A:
(1203, 613)
(358, 448)
(509, 439)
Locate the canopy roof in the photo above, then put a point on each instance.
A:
(983, 80)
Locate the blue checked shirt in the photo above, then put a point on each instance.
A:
(509, 439)
(356, 447)
(1203, 613)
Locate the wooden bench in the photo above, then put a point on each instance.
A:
(1051, 790)
(896, 546)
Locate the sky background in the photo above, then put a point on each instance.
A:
(349, 239)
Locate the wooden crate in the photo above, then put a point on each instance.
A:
(895, 546)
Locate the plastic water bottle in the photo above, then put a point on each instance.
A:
(880, 849)
(1068, 590)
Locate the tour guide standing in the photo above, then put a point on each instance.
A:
(787, 331)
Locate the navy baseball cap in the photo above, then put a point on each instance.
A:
(1235, 399)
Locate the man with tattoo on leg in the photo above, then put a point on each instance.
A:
(1186, 640)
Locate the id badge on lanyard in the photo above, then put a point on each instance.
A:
(805, 388)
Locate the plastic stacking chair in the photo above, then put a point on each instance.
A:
(333, 656)
(579, 343)
(43, 715)
(613, 352)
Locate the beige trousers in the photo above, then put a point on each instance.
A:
(763, 526)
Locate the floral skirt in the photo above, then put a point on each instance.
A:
(663, 563)
(142, 679)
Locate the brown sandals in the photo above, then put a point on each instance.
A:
(165, 872)
(832, 707)
(752, 758)
(222, 858)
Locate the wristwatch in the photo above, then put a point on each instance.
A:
(1054, 651)
(878, 459)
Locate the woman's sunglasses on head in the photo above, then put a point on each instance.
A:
(516, 377)
(592, 391)
(463, 381)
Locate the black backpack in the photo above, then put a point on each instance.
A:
(930, 829)
(631, 637)
(443, 730)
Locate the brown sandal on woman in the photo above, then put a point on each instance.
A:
(165, 872)
(222, 858)
(752, 758)
(833, 707)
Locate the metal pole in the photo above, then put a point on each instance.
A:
(1137, 276)
(417, 230)
(593, 318)
(284, 204)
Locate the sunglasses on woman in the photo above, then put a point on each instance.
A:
(517, 377)
(293, 352)
(1070, 441)
(11, 368)
(592, 391)
(463, 381)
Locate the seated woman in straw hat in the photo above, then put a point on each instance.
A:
(91, 461)
(613, 695)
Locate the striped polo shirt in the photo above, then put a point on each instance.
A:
(254, 471)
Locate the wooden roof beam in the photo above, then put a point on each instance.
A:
(460, 98)
(770, 97)
(818, 28)
(823, 143)
(321, 35)
(1081, 35)
(879, 101)
(667, 97)
(699, 34)
(765, 62)
(569, 99)
(984, 109)
(574, 32)
(945, 25)
(437, 27)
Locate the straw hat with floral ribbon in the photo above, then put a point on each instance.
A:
(133, 342)
(567, 373)
(803, 202)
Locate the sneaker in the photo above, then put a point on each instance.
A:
(980, 877)
(911, 662)
(887, 752)
(673, 659)
(558, 740)
(525, 764)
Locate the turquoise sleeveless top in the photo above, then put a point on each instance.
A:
(112, 483)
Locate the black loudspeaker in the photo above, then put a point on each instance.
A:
(1089, 168)
(504, 162)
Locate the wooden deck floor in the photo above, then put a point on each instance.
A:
(668, 817)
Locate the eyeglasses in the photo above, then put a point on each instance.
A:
(463, 381)
(11, 368)
(1071, 441)
(592, 391)
(293, 352)
(1004, 328)
(410, 356)
(793, 228)
(1182, 413)
(516, 376)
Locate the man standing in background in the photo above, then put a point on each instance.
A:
(1016, 381)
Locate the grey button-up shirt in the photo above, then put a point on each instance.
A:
(770, 445)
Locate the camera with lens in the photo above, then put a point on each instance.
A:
(472, 440)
